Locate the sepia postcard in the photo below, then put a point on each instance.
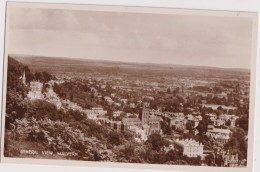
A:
(129, 87)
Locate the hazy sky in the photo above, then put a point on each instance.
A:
(154, 38)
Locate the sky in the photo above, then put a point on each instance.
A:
(132, 37)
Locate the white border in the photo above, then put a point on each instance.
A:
(230, 5)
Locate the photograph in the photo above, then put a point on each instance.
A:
(173, 88)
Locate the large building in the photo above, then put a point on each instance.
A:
(35, 90)
(152, 121)
(149, 124)
(219, 134)
(128, 122)
(177, 120)
(154, 125)
(191, 148)
(144, 116)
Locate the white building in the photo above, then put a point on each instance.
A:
(35, 90)
(124, 101)
(219, 133)
(211, 116)
(132, 105)
(191, 148)
(108, 100)
(117, 113)
(99, 111)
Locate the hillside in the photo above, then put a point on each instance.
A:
(55, 64)
(37, 129)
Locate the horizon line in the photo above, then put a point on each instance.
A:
(78, 58)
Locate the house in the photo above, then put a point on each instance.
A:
(124, 101)
(132, 105)
(99, 110)
(35, 90)
(177, 120)
(117, 113)
(211, 116)
(149, 124)
(219, 134)
(191, 148)
(108, 100)
(103, 86)
(230, 160)
(117, 104)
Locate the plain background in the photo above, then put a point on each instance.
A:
(230, 5)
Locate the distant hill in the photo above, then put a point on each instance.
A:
(59, 64)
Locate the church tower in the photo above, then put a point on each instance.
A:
(144, 116)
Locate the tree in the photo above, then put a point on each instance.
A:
(237, 143)
(203, 126)
(209, 160)
(16, 107)
(219, 160)
(156, 141)
(228, 123)
(166, 128)
(128, 151)
(242, 123)
(29, 76)
(171, 155)
(189, 125)
(38, 76)
(114, 138)
(45, 87)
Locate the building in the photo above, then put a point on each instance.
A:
(194, 119)
(103, 86)
(177, 120)
(91, 114)
(108, 100)
(124, 101)
(145, 122)
(230, 160)
(219, 134)
(116, 125)
(152, 121)
(154, 125)
(211, 117)
(35, 90)
(128, 122)
(144, 116)
(99, 111)
(132, 105)
(117, 104)
(191, 148)
(117, 113)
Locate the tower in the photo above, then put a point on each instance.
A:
(24, 78)
(145, 116)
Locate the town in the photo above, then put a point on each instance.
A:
(201, 114)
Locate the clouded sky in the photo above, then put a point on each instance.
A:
(154, 38)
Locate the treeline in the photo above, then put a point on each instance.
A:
(80, 92)
(43, 77)
(77, 92)
(16, 92)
